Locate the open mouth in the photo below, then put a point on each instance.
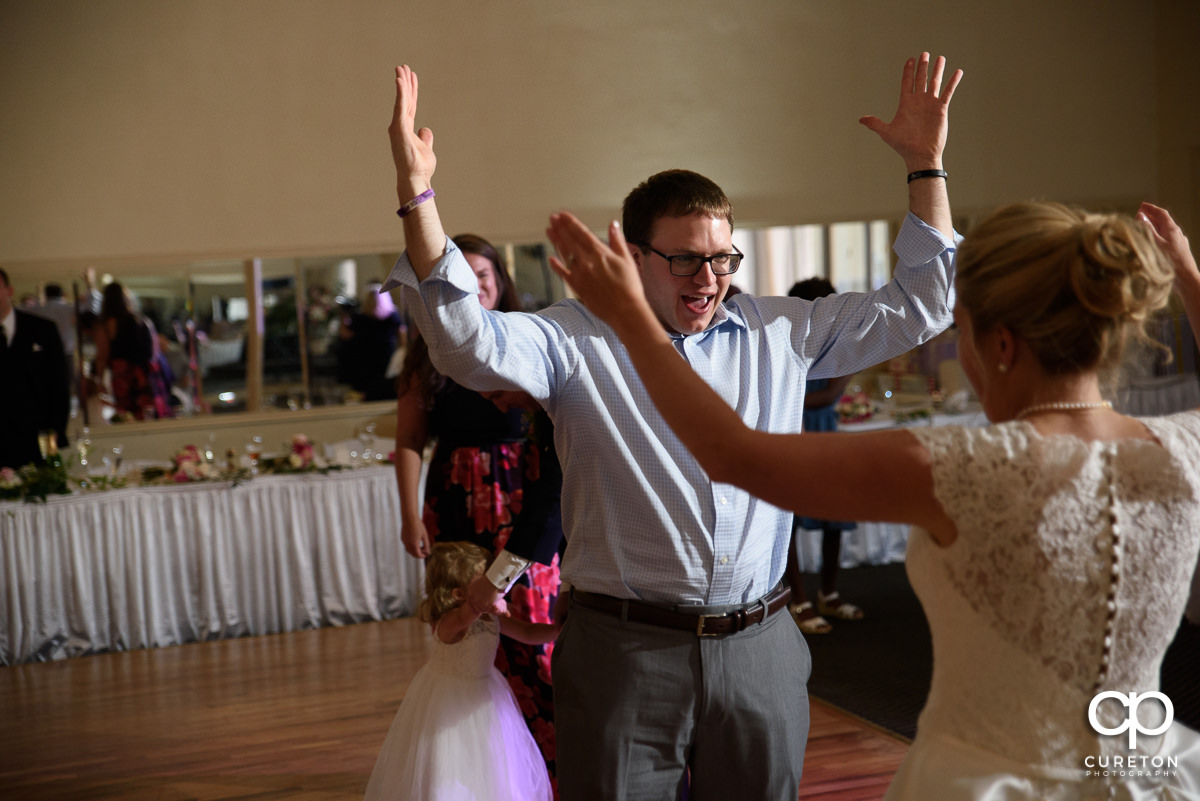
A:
(698, 304)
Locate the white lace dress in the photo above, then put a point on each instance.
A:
(459, 735)
(1038, 606)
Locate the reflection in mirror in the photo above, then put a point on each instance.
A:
(164, 301)
(537, 285)
(350, 332)
(221, 308)
(328, 336)
(282, 368)
(329, 287)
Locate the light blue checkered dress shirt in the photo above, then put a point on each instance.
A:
(642, 519)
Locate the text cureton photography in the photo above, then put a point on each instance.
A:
(1130, 765)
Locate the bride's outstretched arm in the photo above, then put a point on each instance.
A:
(878, 476)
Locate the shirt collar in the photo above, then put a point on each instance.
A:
(10, 324)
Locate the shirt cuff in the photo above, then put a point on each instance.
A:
(451, 266)
(505, 570)
(919, 242)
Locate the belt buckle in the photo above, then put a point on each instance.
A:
(700, 632)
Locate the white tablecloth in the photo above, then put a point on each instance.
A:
(149, 567)
(874, 543)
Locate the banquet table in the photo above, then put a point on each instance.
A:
(164, 565)
(874, 543)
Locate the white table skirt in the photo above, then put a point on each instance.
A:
(150, 567)
(874, 543)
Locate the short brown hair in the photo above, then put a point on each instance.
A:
(673, 193)
(1072, 284)
(812, 288)
(451, 566)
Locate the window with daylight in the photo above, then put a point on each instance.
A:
(854, 256)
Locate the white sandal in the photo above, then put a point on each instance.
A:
(834, 606)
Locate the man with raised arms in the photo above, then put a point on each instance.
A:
(674, 660)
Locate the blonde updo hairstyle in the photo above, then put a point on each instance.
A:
(450, 566)
(1072, 284)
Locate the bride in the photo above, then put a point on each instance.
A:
(1055, 547)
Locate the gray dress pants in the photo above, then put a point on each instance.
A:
(636, 706)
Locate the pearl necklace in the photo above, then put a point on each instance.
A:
(1062, 406)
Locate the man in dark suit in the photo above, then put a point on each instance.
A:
(34, 395)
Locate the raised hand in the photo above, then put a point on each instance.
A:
(918, 131)
(1170, 238)
(604, 277)
(412, 150)
(1174, 244)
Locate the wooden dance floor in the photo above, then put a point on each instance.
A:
(296, 716)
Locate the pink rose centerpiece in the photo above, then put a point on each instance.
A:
(302, 456)
(10, 483)
(33, 483)
(189, 465)
(854, 407)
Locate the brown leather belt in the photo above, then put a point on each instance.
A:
(703, 625)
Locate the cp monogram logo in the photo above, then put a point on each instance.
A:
(1131, 723)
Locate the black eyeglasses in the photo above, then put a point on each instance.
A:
(686, 264)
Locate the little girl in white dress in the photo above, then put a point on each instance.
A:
(459, 735)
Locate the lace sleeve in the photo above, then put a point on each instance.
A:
(1178, 433)
(980, 476)
(994, 484)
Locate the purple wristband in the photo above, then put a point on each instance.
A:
(416, 201)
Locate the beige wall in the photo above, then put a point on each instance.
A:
(1177, 67)
(140, 129)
